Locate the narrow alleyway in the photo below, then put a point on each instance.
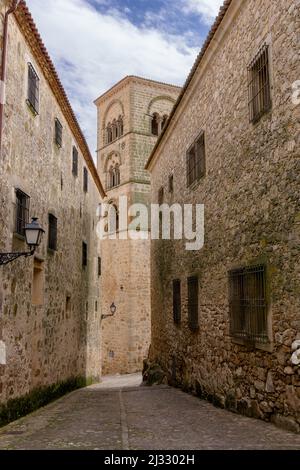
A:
(120, 414)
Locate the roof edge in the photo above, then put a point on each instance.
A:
(223, 10)
(29, 30)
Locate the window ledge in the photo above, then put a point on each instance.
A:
(268, 347)
(51, 251)
(18, 236)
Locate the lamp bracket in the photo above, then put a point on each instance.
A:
(6, 258)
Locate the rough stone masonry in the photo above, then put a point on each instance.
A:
(252, 217)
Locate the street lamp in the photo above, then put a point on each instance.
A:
(113, 310)
(33, 236)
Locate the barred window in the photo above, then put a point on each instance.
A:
(195, 161)
(99, 267)
(248, 304)
(52, 235)
(75, 162)
(193, 303)
(33, 89)
(259, 85)
(22, 212)
(85, 180)
(177, 301)
(58, 133)
(84, 254)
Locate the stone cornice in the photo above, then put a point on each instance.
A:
(133, 79)
(34, 40)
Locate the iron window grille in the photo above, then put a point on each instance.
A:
(33, 89)
(193, 292)
(52, 234)
(22, 212)
(177, 301)
(84, 254)
(248, 304)
(259, 85)
(195, 161)
(75, 162)
(58, 133)
(85, 180)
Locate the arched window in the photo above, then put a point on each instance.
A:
(117, 175)
(120, 126)
(114, 130)
(113, 222)
(155, 123)
(113, 178)
(164, 121)
(109, 133)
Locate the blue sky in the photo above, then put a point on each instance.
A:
(95, 43)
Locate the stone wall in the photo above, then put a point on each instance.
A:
(58, 339)
(125, 276)
(251, 197)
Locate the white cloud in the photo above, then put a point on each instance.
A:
(207, 9)
(92, 51)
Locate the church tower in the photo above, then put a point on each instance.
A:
(131, 115)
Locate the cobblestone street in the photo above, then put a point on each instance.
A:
(119, 414)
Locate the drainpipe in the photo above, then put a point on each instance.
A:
(13, 7)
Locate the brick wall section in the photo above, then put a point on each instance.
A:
(45, 344)
(251, 197)
(125, 276)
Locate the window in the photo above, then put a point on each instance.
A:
(114, 130)
(75, 162)
(120, 126)
(22, 212)
(177, 301)
(84, 254)
(99, 267)
(171, 184)
(58, 133)
(114, 177)
(33, 90)
(161, 195)
(109, 136)
(248, 304)
(196, 161)
(155, 124)
(193, 303)
(52, 235)
(38, 283)
(259, 85)
(68, 303)
(85, 180)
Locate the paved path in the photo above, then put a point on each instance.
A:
(120, 414)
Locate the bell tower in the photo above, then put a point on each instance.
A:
(130, 117)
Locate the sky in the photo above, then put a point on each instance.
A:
(95, 43)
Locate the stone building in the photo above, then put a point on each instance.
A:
(226, 318)
(49, 303)
(131, 115)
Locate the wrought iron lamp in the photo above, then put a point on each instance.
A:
(113, 310)
(33, 236)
